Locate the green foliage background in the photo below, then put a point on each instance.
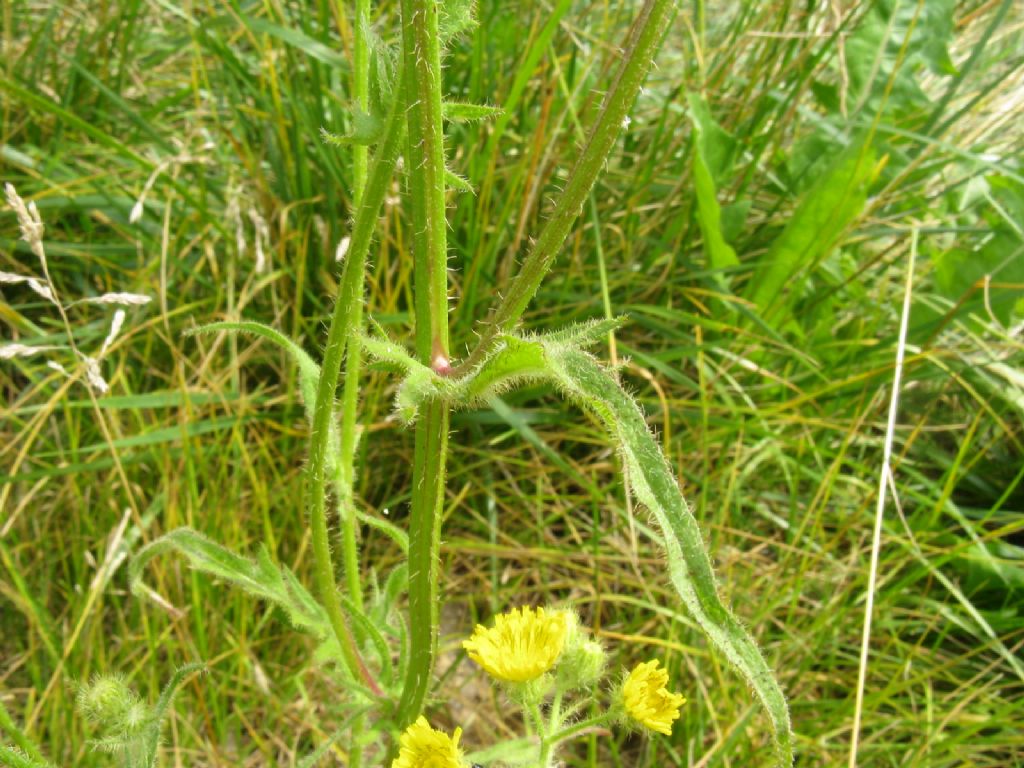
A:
(755, 226)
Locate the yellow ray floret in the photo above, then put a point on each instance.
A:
(648, 700)
(423, 747)
(523, 645)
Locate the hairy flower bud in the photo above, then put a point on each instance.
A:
(583, 661)
(106, 700)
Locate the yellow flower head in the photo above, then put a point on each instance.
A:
(523, 645)
(647, 699)
(423, 747)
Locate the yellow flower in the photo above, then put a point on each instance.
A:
(423, 747)
(647, 699)
(523, 645)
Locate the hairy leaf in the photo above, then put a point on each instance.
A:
(461, 112)
(557, 359)
(261, 578)
(15, 758)
(456, 182)
(581, 377)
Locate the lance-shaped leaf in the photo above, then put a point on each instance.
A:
(16, 758)
(558, 359)
(652, 483)
(709, 213)
(462, 112)
(260, 578)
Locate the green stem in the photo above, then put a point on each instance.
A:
(644, 39)
(575, 729)
(353, 365)
(361, 91)
(342, 325)
(426, 185)
(556, 712)
(353, 351)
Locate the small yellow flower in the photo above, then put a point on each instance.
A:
(523, 645)
(648, 700)
(423, 747)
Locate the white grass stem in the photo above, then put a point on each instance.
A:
(884, 479)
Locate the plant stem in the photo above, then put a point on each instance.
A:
(644, 39)
(575, 729)
(353, 366)
(426, 185)
(342, 324)
(361, 91)
(353, 351)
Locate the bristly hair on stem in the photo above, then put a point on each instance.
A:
(421, 59)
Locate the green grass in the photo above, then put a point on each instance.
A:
(771, 404)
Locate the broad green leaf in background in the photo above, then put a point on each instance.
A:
(717, 146)
(821, 217)
(713, 149)
(296, 39)
(891, 47)
(961, 272)
(260, 578)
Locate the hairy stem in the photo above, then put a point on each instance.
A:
(353, 363)
(644, 39)
(343, 322)
(569, 732)
(426, 185)
(353, 352)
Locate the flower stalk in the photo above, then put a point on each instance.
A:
(347, 313)
(353, 351)
(353, 360)
(421, 59)
(637, 55)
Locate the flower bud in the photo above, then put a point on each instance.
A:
(106, 700)
(583, 660)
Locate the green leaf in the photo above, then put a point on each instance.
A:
(298, 40)
(367, 129)
(382, 74)
(961, 273)
(514, 361)
(24, 745)
(713, 154)
(584, 334)
(814, 229)
(456, 182)
(454, 18)
(709, 215)
(460, 112)
(309, 371)
(717, 146)
(15, 758)
(514, 752)
(895, 41)
(652, 483)
(555, 358)
(163, 705)
(260, 578)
